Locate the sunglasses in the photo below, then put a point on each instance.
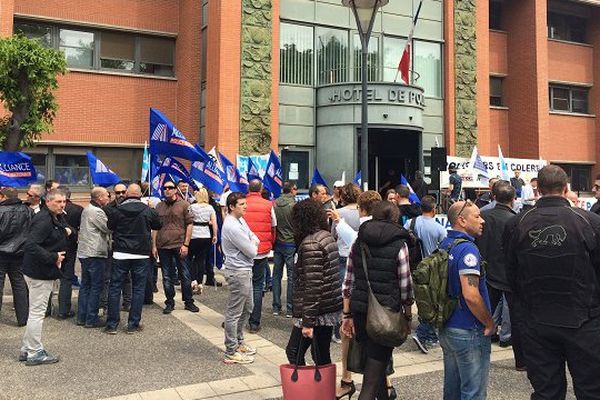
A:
(168, 187)
(467, 203)
(120, 192)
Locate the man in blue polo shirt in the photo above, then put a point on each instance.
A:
(465, 339)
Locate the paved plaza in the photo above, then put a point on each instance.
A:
(179, 356)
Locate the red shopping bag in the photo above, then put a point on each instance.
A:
(315, 382)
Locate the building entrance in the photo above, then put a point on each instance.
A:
(392, 152)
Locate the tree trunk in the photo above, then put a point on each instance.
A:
(14, 135)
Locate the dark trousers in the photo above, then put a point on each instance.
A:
(14, 270)
(297, 346)
(172, 264)
(197, 257)
(121, 268)
(513, 312)
(92, 275)
(126, 287)
(258, 284)
(66, 282)
(151, 278)
(547, 348)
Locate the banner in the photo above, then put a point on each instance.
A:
(259, 161)
(237, 182)
(528, 168)
(16, 169)
(273, 178)
(166, 139)
(207, 172)
(101, 174)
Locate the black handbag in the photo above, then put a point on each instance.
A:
(384, 326)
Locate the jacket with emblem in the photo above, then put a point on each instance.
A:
(553, 256)
(258, 218)
(384, 241)
(132, 223)
(15, 218)
(317, 290)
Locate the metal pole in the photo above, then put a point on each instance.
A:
(364, 117)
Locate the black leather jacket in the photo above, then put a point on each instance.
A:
(15, 219)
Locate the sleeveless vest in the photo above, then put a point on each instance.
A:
(258, 217)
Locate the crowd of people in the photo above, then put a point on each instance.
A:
(532, 270)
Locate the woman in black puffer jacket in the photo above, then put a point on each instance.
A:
(317, 296)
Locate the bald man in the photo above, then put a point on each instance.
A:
(92, 252)
(466, 336)
(132, 223)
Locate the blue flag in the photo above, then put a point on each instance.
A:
(207, 172)
(273, 178)
(16, 169)
(101, 174)
(412, 196)
(317, 179)
(166, 139)
(252, 171)
(170, 170)
(358, 178)
(237, 183)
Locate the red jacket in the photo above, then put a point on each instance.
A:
(258, 217)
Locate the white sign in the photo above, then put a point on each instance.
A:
(586, 202)
(293, 175)
(528, 168)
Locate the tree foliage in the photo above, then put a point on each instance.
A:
(28, 77)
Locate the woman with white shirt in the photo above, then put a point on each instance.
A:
(204, 220)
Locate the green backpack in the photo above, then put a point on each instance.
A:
(430, 284)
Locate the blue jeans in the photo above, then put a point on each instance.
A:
(426, 333)
(258, 282)
(502, 317)
(466, 363)
(170, 262)
(92, 281)
(139, 269)
(283, 255)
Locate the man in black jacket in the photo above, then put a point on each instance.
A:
(596, 207)
(553, 268)
(132, 223)
(44, 253)
(490, 245)
(15, 218)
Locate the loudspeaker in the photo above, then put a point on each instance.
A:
(438, 158)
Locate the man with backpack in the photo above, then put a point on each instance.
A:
(553, 268)
(430, 234)
(466, 330)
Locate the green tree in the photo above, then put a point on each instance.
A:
(28, 77)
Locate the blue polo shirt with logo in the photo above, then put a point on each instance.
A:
(464, 259)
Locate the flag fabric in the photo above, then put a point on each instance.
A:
(207, 172)
(317, 179)
(503, 166)
(170, 170)
(101, 174)
(412, 196)
(252, 171)
(145, 164)
(358, 178)
(404, 65)
(273, 178)
(237, 182)
(16, 169)
(478, 168)
(166, 139)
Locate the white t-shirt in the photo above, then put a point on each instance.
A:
(117, 255)
(201, 213)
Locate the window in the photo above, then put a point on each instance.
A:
(567, 27)
(495, 15)
(496, 91)
(71, 170)
(372, 59)
(78, 47)
(332, 55)
(392, 53)
(428, 66)
(296, 54)
(39, 162)
(295, 167)
(105, 49)
(569, 99)
(580, 176)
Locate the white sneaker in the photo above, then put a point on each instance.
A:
(238, 358)
(246, 349)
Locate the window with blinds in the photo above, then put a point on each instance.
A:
(332, 55)
(296, 54)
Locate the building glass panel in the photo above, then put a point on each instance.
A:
(71, 170)
(78, 47)
(296, 54)
(117, 51)
(392, 53)
(428, 67)
(332, 55)
(373, 59)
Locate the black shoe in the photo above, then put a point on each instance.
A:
(134, 329)
(154, 289)
(99, 324)
(506, 343)
(177, 282)
(148, 302)
(126, 307)
(68, 315)
(253, 329)
(168, 309)
(192, 307)
(110, 331)
(80, 323)
(495, 338)
(392, 395)
(348, 388)
(217, 284)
